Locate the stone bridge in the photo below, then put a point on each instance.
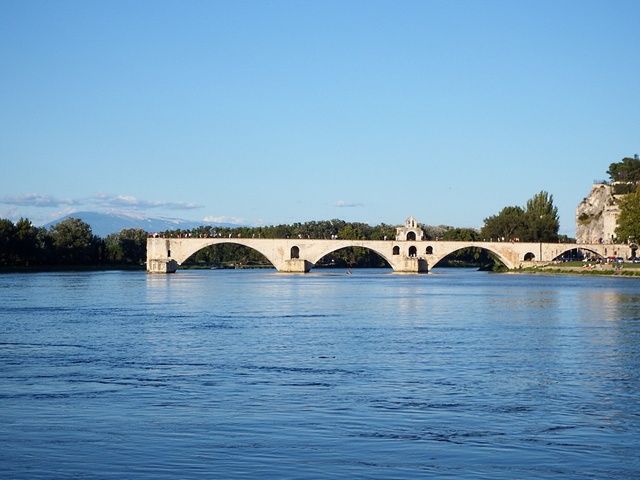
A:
(164, 255)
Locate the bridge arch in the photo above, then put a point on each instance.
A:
(323, 253)
(191, 248)
(442, 253)
(600, 254)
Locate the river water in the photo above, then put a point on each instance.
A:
(255, 374)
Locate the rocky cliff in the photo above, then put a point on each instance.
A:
(597, 215)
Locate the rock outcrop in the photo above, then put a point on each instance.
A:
(597, 215)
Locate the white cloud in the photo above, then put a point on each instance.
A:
(100, 199)
(129, 201)
(37, 200)
(342, 203)
(224, 219)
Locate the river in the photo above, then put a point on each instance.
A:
(254, 374)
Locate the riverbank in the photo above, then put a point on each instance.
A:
(589, 268)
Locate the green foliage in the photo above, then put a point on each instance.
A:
(129, 247)
(509, 224)
(538, 222)
(70, 242)
(74, 243)
(626, 171)
(7, 242)
(23, 244)
(628, 228)
(26, 238)
(585, 218)
(461, 234)
(541, 219)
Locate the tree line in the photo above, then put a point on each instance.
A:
(72, 243)
(68, 243)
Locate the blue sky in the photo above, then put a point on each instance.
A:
(267, 112)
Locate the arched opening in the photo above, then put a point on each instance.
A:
(353, 257)
(411, 236)
(573, 255)
(295, 252)
(580, 255)
(529, 257)
(472, 257)
(169, 253)
(396, 250)
(227, 255)
(413, 251)
(429, 250)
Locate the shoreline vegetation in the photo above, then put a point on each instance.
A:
(583, 268)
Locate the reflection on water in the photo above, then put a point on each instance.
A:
(255, 374)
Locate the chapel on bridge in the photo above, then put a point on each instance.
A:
(410, 232)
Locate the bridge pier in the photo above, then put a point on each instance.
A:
(296, 265)
(410, 265)
(161, 266)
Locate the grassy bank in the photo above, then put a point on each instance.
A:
(588, 268)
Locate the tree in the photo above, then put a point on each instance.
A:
(541, 219)
(628, 228)
(351, 255)
(509, 224)
(627, 170)
(74, 243)
(7, 242)
(383, 232)
(128, 247)
(460, 234)
(538, 222)
(26, 242)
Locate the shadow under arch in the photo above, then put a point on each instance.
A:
(584, 249)
(491, 256)
(352, 256)
(225, 253)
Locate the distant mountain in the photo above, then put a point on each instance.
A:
(103, 224)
